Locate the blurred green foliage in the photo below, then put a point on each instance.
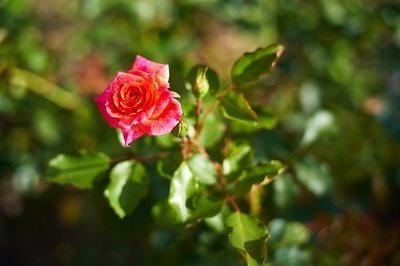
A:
(336, 92)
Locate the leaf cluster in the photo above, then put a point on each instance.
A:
(213, 173)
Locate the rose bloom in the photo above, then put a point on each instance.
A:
(139, 102)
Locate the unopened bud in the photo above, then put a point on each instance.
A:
(181, 129)
(201, 85)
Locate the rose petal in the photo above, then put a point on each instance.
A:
(161, 71)
(132, 133)
(165, 121)
(163, 101)
(102, 99)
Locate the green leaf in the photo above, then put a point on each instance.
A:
(203, 170)
(183, 187)
(266, 119)
(167, 166)
(251, 65)
(213, 130)
(216, 223)
(235, 107)
(249, 235)
(284, 233)
(79, 170)
(314, 175)
(129, 184)
(202, 205)
(238, 159)
(165, 215)
(199, 75)
(255, 175)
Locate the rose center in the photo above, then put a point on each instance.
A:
(134, 97)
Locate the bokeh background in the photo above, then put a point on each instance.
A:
(335, 91)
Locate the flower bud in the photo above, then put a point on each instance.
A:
(181, 129)
(201, 85)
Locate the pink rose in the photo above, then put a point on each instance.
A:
(139, 102)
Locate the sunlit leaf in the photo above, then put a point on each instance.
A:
(251, 65)
(216, 223)
(183, 187)
(256, 174)
(249, 235)
(203, 170)
(266, 120)
(236, 107)
(320, 124)
(128, 185)
(79, 170)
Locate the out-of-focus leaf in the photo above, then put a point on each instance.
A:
(292, 256)
(248, 235)
(165, 141)
(165, 215)
(256, 174)
(295, 234)
(44, 88)
(203, 170)
(167, 166)
(238, 159)
(79, 170)
(213, 130)
(266, 119)
(285, 190)
(287, 238)
(322, 122)
(284, 233)
(236, 107)
(314, 175)
(199, 75)
(251, 65)
(129, 184)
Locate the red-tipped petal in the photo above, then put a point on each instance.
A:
(132, 133)
(165, 121)
(101, 102)
(161, 71)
